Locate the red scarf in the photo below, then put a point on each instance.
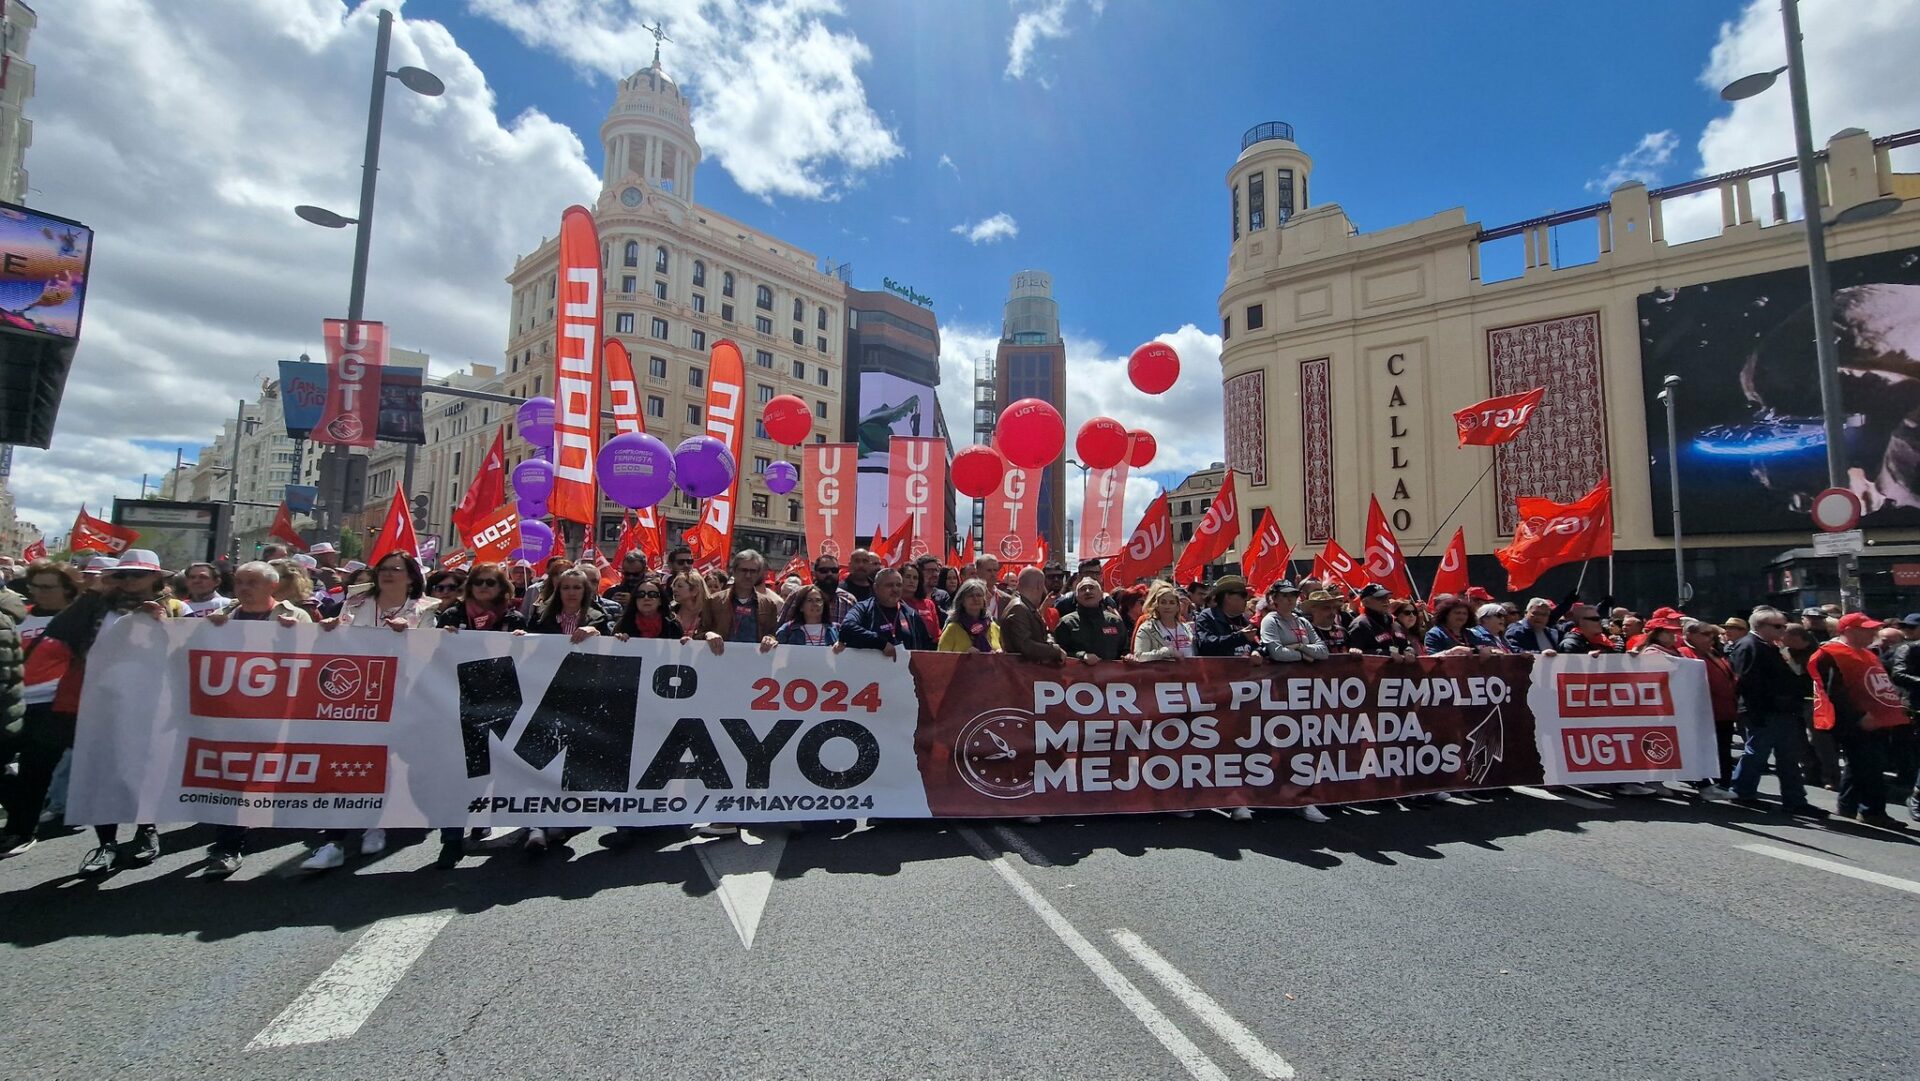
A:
(483, 619)
(645, 626)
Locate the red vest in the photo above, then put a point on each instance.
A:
(1868, 688)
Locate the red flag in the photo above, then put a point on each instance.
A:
(1550, 534)
(496, 535)
(891, 550)
(726, 412)
(1040, 555)
(709, 548)
(283, 529)
(827, 479)
(576, 370)
(796, 567)
(1385, 562)
(1497, 420)
(1008, 527)
(92, 534)
(623, 388)
(1217, 531)
(488, 490)
(396, 533)
(459, 560)
(629, 540)
(916, 487)
(966, 550)
(1334, 566)
(1147, 551)
(36, 550)
(1452, 575)
(1266, 559)
(355, 354)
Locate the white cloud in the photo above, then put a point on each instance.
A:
(1643, 163)
(185, 134)
(777, 96)
(948, 163)
(989, 230)
(1860, 73)
(1044, 21)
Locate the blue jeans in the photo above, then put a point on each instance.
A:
(1780, 735)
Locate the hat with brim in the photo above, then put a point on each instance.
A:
(1860, 621)
(321, 549)
(1375, 590)
(1232, 583)
(139, 559)
(1664, 623)
(1321, 596)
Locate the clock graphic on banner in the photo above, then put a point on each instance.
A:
(994, 753)
(631, 196)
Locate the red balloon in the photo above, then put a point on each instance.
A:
(1153, 367)
(788, 420)
(1144, 448)
(976, 471)
(1102, 443)
(1031, 433)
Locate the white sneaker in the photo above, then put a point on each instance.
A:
(1313, 814)
(1632, 788)
(536, 840)
(373, 842)
(1241, 814)
(1713, 793)
(325, 858)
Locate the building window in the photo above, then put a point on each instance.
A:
(763, 393)
(659, 260)
(699, 302)
(799, 310)
(799, 369)
(656, 407)
(696, 377)
(623, 323)
(628, 283)
(762, 324)
(1283, 194)
(659, 289)
(660, 328)
(693, 414)
(1186, 506)
(657, 367)
(761, 464)
(763, 358)
(759, 429)
(759, 506)
(799, 336)
(820, 344)
(632, 254)
(697, 339)
(1186, 531)
(821, 373)
(1226, 327)
(820, 410)
(1236, 212)
(820, 319)
(726, 285)
(793, 510)
(536, 385)
(699, 273)
(763, 297)
(1256, 316)
(1256, 203)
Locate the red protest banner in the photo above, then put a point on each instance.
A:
(92, 534)
(916, 493)
(1010, 532)
(726, 421)
(1102, 510)
(1335, 567)
(623, 389)
(1549, 534)
(827, 479)
(1217, 531)
(396, 533)
(576, 370)
(1497, 420)
(283, 529)
(355, 354)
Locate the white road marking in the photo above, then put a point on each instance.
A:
(1019, 844)
(1874, 877)
(1258, 1055)
(1577, 801)
(1159, 1024)
(340, 1001)
(742, 870)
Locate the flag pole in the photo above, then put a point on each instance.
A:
(1578, 582)
(1442, 527)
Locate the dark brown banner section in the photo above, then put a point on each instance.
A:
(1017, 738)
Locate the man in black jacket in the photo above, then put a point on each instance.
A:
(1770, 715)
(1903, 667)
(1222, 628)
(882, 623)
(1374, 630)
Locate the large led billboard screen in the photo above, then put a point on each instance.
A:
(1751, 439)
(889, 406)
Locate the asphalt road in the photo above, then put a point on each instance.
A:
(1514, 937)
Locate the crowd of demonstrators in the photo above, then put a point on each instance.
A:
(1819, 696)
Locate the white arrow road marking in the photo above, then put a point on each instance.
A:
(741, 869)
(1238, 1036)
(345, 995)
(1157, 1023)
(1874, 877)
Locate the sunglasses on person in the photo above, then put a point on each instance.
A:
(494, 582)
(1589, 619)
(687, 562)
(1772, 624)
(643, 593)
(447, 587)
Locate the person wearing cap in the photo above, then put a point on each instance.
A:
(96, 567)
(1286, 636)
(134, 583)
(1662, 635)
(1770, 722)
(1222, 629)
(324, 554)
(1814, 619)
(1904, 669)
(1854, 699)
(1323, 612)
(1489, 632)
(1374, 631)
(1092, 632)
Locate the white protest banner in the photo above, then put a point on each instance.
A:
(1606, 719)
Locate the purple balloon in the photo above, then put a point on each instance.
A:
(533, 480)
(535, 418)
(703, 466)
(635, 470)
(530, 509)
(781, 477)
(536, 541)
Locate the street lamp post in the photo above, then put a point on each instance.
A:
(421, 82)
(1671, 396)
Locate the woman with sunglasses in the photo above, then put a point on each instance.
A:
(570, 607)
(482, 604)
(647, 616)
(444, 587)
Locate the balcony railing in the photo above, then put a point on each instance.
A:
(1260, 133)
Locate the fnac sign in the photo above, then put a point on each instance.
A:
(289, 686)
(318, 768)
(1613, 694)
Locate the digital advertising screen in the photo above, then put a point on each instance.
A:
(889, 406)
(1752, 442)
(43, 272)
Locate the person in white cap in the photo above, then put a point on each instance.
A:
(97, 565)
(324, 554)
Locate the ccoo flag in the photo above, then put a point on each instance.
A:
(576, 370)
